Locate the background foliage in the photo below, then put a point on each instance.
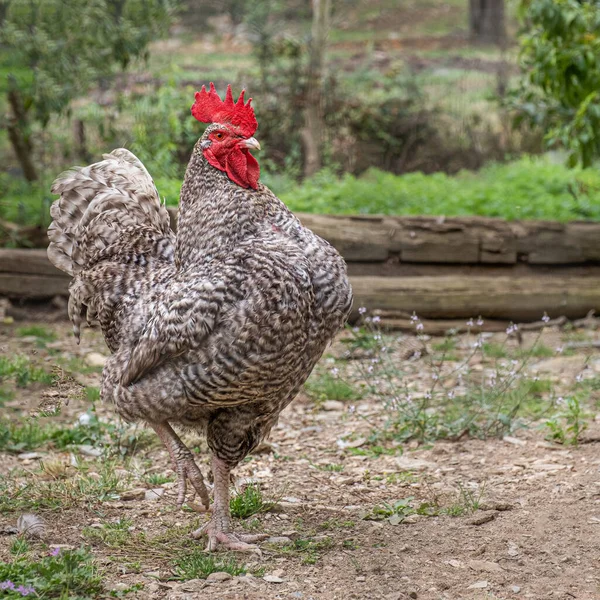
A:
(417, 118)
(560, 90)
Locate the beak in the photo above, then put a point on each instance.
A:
(250, 143)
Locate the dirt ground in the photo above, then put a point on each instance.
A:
(535, 534)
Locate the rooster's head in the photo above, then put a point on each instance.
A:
(227, 142)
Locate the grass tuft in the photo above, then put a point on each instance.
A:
(199, 565)
(249, 502)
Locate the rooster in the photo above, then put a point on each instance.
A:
(215, 328)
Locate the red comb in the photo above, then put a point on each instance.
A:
(209, 108)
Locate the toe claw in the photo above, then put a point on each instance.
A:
(239, 542)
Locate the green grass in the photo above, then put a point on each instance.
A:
(5, 395)
(156, 479)
(529, 188)
(83, 489)
(309, 549)
(21, 369)
(495, 350)
(69, 574)
(37, 331)
(199, 565)
(537, 189)
(324, 386)
(32, 435)
(22, 437)
(113, 535)
(249, 502)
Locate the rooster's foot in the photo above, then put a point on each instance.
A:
(187, 470)
(183, 463)
(217, 538)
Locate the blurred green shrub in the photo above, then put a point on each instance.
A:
(59, 48)
(156, 126)
(560, 86)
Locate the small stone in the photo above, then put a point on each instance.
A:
(8, 530)
(485, 565)
(457, 564)
(29, 456)
(395, 520)
(120, 587)
(87, 450)
(272, 579)
(31, 526)
(333, 405)
(515, 588)
(279, 540)
(95, 359)
(406, 463)
(154, 495)
(478, 585)
(61, 546)
(219, 576)
(135, 494)
(278, 573)
(412, 594)
(361, 578)
(514, 441)
(414, 518)
(356, 443)
(500, 506)
(486, 517)
(153, 574)
(291, 533)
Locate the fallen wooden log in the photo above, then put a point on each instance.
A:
(516, 299)
(32, 286)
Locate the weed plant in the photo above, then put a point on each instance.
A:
(488, 392)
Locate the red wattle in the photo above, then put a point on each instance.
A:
(241, 167)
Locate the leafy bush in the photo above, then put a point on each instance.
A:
(560, 59)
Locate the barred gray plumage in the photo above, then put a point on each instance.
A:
(214, 328)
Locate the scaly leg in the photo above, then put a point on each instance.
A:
(183, 463)
(218, 529)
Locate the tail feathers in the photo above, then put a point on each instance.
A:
(98, 204)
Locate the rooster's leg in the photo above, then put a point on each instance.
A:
(218, 529)
(183, 463)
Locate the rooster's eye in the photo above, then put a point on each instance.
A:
(219, 135)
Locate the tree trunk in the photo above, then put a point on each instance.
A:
(312, 134)
(81, 140)
(18, 134)
(486, 21)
